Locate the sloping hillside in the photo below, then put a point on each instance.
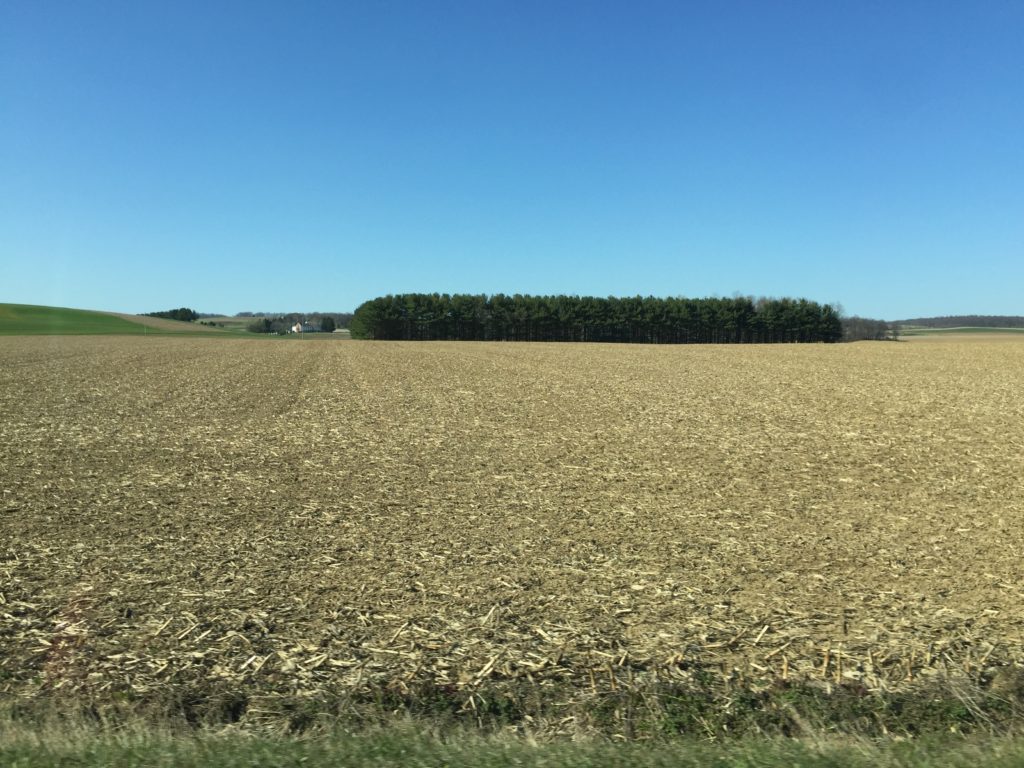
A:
(31, 320)
(165, 325)
(965, 321)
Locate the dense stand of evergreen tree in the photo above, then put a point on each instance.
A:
(422, 316)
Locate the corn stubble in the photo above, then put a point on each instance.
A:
(278, 533)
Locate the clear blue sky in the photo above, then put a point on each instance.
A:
(250, 155)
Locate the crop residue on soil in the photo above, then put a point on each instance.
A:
(283, 519)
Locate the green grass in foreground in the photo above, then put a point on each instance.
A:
(138, 747)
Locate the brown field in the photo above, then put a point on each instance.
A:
(279, 524)
(164, 324)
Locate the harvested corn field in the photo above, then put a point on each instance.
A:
(546, 536)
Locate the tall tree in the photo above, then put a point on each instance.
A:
(633, 319)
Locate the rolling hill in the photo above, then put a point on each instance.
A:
(31, 320)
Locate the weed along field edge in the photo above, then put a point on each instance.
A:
(633, 541)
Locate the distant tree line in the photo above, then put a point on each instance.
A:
(865, 329)
(184, 313)
(325, 322)
(420, 316)
(967, 321)
(342, 319)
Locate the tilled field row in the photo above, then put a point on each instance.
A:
(286, 520)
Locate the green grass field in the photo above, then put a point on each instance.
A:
(24, 319)
(30, 320)
(142, 748)
(918, 331)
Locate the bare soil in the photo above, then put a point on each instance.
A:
(275, 522)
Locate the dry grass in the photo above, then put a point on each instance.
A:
(168, 325)
(257, 525)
